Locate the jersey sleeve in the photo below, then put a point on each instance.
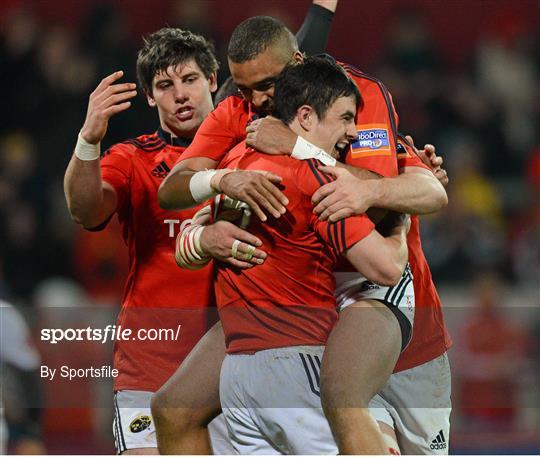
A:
(407, 156)
(222, 129)
(116, 169)
(340, 235)
(313, 34)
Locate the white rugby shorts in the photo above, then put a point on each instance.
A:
(271, 402)
(133, 425)
(416, 404)
(352, 287)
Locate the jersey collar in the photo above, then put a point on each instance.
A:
(173, 140)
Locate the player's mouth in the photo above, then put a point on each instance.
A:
(184, 114)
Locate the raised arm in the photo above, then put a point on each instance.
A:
(90, 200)
(313, 34)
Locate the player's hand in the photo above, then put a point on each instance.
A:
(344, 197)
(217, 241)
(271, 136)
(430, 158)
(257, 189)
(107, 100)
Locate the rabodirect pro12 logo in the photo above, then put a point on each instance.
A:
(373, 139)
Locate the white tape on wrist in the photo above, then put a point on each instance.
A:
(200, 187)
(304, 150)
(86, 151)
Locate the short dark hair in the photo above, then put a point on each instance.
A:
(317, 82)
(253, 36)
(170, 47)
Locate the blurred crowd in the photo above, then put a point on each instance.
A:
(482, 117)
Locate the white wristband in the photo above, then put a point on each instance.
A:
(199, 185)
(86, 151)
(304, 150)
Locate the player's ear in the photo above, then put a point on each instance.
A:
(305, 115)
(212, 82)
(298, 57)
(151, 100)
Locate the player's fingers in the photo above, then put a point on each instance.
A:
(430, 149)
(323, 192)
(237, 263)
(118, 98)
(265, 199)
(115, 109)
(270, 176)
(253, 126)
(341, 214)
(327, 203)
(251, 139)
(248, 253)
(255, 207)
(108, 80)
(437, 161)
(334, 171)
(277, 198)
(331, 210)
(409, 138)
(238, 234)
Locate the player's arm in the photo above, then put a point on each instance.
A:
(195, 180)
(415, 190)
(91, 200)
(313, 34)
(382, 259)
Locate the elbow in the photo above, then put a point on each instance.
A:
(390, 276)
(442, 198)
(163, 197)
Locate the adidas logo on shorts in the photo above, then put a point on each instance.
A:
(438, 442)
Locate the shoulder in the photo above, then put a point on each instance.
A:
(134, 146)
(309, 177)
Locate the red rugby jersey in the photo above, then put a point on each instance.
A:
(158, 294)
(430, 335)
(377, 125)
(288, 300)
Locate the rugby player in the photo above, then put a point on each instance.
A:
(276, 317)
(177, 72)
(415, 192)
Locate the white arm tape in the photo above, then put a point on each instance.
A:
(303, 150)
(86, 151)
(199, 185)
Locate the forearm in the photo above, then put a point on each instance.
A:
(174, 192)
(313, 35)
(411, 193)
(83, 189)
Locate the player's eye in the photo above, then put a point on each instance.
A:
(191, 79)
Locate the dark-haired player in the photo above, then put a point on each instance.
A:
(258, 51)
(276, 317)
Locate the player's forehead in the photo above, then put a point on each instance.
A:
(180, 70)
(265, 66)
(343, 106)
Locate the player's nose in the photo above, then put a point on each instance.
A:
(351, 132)
(181, 94)
(259, 98)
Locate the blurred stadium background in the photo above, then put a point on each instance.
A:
(464, 76)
